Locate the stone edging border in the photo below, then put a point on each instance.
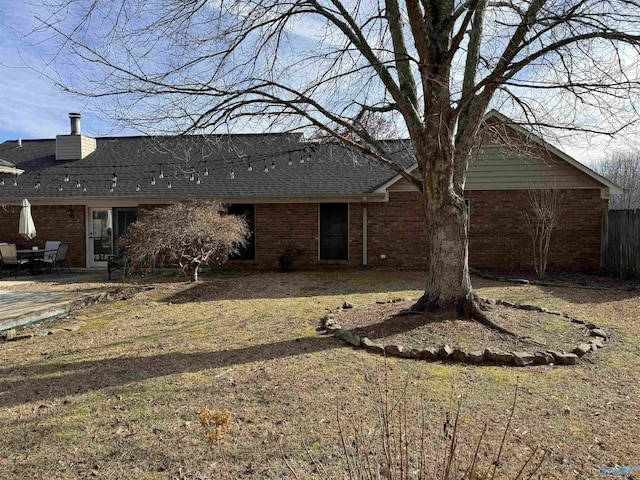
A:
(598, 337)
(543, 283)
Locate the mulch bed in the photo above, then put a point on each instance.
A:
(383, 323)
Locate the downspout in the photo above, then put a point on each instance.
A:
(364, 233)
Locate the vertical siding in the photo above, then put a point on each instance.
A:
(621, 243)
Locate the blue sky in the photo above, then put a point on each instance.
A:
(31, 106)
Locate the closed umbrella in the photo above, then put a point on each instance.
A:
(27, 227)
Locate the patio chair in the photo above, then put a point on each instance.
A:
(9, 258)
(58, 260)
(51, 245)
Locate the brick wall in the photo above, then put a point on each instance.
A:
(280, 226)
(397, 230)
(497, 240)
(52, 223)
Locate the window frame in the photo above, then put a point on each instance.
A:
(345, 235)
(252, 240)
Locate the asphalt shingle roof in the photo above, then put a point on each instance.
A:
(328, 169)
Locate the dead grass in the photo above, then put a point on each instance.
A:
(120, 397)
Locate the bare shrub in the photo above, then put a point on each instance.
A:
(547, 207)
(396, 446)
(186, 235)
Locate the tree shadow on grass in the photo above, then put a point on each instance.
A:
(36, 383)
(298, 284)
(584, 295)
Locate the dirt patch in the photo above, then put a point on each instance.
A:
(386, 323)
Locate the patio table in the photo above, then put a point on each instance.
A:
(32, 256)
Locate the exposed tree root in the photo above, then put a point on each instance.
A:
(476, 313)
(471, 307)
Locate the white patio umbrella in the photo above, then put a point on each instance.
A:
(27, 227)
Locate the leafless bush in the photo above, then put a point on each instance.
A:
(397, 447)
(547, 207)
(186, 235)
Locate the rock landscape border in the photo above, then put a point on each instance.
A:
(486, 356)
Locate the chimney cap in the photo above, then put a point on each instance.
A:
(75, 115)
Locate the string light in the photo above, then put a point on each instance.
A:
(305, 156)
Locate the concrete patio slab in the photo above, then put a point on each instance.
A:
(18, 309)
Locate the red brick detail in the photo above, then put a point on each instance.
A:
(397, 230)
(52, 223)
(497, 240)
(279, 227)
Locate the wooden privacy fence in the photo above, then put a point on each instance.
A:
(620, 253)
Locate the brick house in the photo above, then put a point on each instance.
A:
(324, 202)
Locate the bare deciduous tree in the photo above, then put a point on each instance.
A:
(547, 207)
(623, 169)
(434, 67)
(186, 235)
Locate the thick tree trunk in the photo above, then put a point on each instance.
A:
(448, 284)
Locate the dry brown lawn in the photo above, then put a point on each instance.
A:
(120, 397)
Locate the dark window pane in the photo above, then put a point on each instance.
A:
(123, 217)
(334, 231)
(248, 252)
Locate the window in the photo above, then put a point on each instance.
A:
(334, 231)
(248, 252)
(123, 218)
